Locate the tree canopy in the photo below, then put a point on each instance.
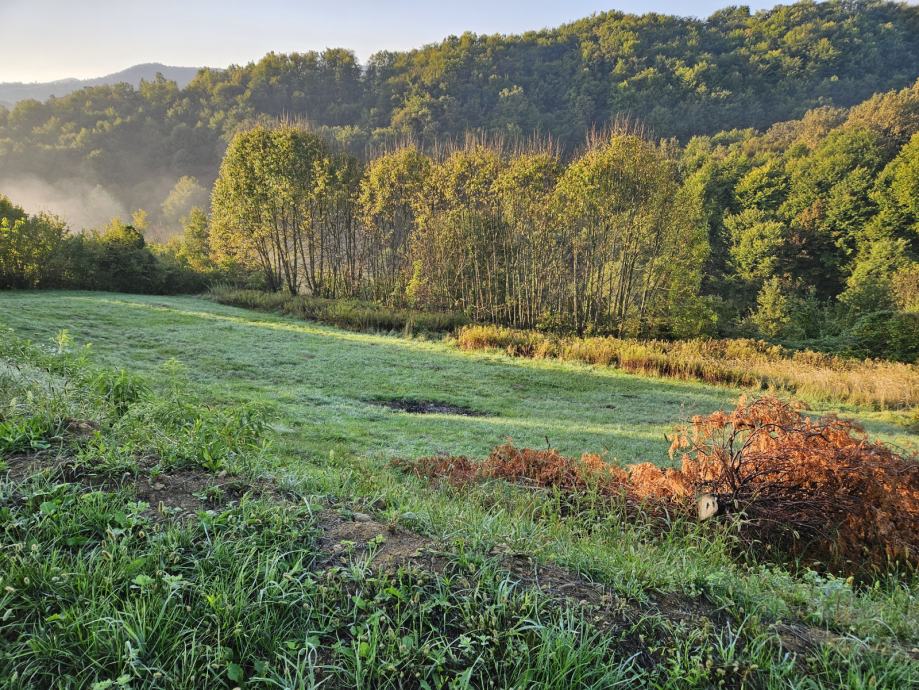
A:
(679, 76)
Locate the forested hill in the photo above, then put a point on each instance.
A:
(678, 76)
(13, 92)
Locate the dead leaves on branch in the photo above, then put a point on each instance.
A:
(817, 489)
(813, 486)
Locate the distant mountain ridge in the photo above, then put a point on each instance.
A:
(13, 92)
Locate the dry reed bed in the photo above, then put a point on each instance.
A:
(815, 376)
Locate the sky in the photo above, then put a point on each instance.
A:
(54, 39)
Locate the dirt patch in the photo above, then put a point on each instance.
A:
(615, 611)
(614, 614)
(799, 638)
(415, 406)
(556, 581)
(345, 539)
(177, 494)
(82, 427)
(20, 467)
(184, 493)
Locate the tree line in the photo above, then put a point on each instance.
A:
(40, 251)
(613, 240)
(680, 76)
(801, 232)
(807, 232)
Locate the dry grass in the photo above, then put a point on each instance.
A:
(814, 376)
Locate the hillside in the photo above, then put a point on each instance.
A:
(232, 503)
(584, 358)
(803, 234)
(13, 92)
(678, 76)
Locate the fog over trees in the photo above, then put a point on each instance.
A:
(680, 77)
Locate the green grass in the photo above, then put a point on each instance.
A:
(322, 380)
(331, 445)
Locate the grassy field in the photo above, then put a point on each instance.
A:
(322, 381)
(702, 615)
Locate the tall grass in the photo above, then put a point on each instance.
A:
(345, 313)
(756, 364)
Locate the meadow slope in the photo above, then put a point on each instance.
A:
(325, 384)
(696, 612)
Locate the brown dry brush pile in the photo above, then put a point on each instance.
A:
(817, 489)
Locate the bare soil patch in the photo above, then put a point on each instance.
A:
(345, 539)
(183, 493)
(415, 406)
(178, 494)
(612, 610)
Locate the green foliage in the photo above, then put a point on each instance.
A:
(119, 389)
(633, 237)
(897, 189)
(390, 199)
(184, 198)
(352, 314)
(888, 334)
(756, 244)
(771, 227)
(30, 247)
(24, 435)
(777, 312)
(39, 252)
(266, 206)
(681, 76)
(905, 286)
(869, 286)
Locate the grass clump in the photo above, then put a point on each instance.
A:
(358, 315)
(815, 376)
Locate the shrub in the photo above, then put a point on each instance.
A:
(119, 389)
(353, 314)
(889, 334)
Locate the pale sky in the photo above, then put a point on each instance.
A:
(52, 39)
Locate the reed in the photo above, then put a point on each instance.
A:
(814, 376)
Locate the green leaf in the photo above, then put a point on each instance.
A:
(235, 673)
(363, 650)
(143, 581)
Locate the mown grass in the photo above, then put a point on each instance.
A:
(814, 376)
(332, 445)
(358, 315)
